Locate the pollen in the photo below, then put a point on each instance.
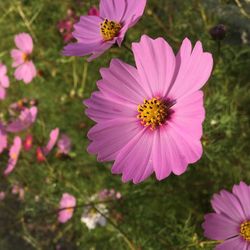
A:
(110, 29)
(245, 230)
(25, 57)
(154, 112)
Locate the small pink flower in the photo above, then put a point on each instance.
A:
(64, 145)
(3, 138)
(96, 34)
(28, 142)
(13, 155)
(149, 117)
(4, 81)
(18, 189)
(26, 70)
(24, 121)
(230, 221)
(67, 204)
(52, 141)
(93, 11)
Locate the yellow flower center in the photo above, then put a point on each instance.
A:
(153, 112)
(110, 29)
(13, 156)
(245, 230)
(25, 57)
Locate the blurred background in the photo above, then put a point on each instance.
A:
(152, 215)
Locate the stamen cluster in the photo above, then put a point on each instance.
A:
(110, 29)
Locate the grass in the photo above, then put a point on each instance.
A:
(154, 215)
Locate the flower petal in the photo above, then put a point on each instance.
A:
(2, 93)
(109, 137)
(17, 56)
(25, 72)
(236, 243)
(52, 141)
(87, 30)
(134, 160)
(14, 155)
(219, 227)
(193, 69)
(24, 42)
(155, 62)
(122, 81)
(227, 204)
(242, 192)
(3, 138)
(103, 108)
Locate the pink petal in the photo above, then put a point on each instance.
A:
(242, 192)
(155, 62)
(236, 243)
(18, 57)
(68, 202)
(174, 157)
(87, 30)
(24, 121)
(192, 69)
(3, 138)
(24, 42)
(102, 108)
(122, 81)
(52, 141)
(219, 227)
(14, 155)
(111, 136)
(227, 204)
(134, 160)
(64, 144)
(93, 11)
(5, 81)
(26, 72)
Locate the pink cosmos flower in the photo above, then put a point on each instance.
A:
(64, 145)
(230, 222)
(67, 204)
(149, 118)
(4, 81)
(41, 153)
(96, 34)
(26, 70)
(3, 138)
(93, 11)
(52, 141)
(24, 121)
(14, 155)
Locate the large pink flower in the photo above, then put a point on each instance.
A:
(96, 34)
(149, 118)
(24, 121)
(14, 155)
(26, 70)
(4, 81)
(231, 221)
(67, 204)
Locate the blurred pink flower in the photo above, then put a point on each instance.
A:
(26, 70)
(13, 155)
(3, 138)
(4, 81)
(24, 121)
(67, 204)
(64, 145)
(149, 118)
(41, 153)
(28, 142)
(2, 195)
(230, 222)
(52, 141)
(96, 34)
(109, 194)
(93, 11)
(65, 26)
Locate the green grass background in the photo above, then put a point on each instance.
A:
(155, 215)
